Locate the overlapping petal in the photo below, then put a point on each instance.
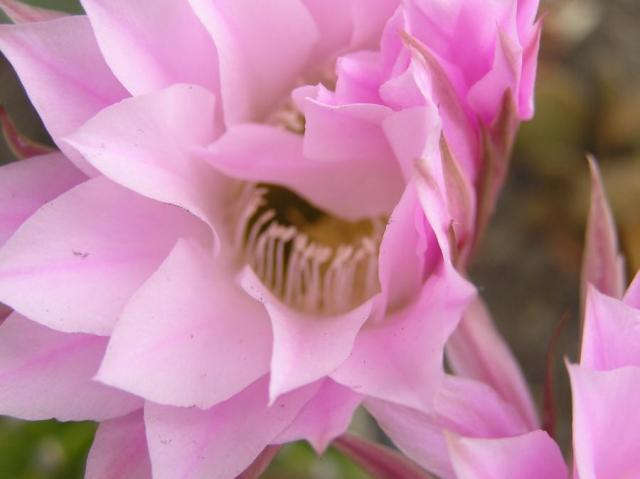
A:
(119, 450)
(48, 374)
(195, 337)
(74, 264)
(64, 73)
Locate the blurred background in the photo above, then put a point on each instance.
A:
(588, 100)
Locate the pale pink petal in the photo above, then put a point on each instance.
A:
(414, 133)
(341, 132)
(632, 296)
(359, 75)
(149, 52)
(258, 153)
(462, 406)
(65, 76)
(477, 350)
(144, 143)
(602, 264)
(334, 23)
(194, 336)
(606, 437)
(531, 456)
(263, 50)
(222, 441)
(306, 347)
(47, 374)
(20, 12)
(403, 250)
(485, 96)
(74, 264)
(28, 184)
(260, 463)
(369, 19)
(326, 416)
(119, 450)
(611, 333)
(399, 359)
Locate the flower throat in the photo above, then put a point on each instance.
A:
(312, 261)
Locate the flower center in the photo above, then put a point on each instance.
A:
(311, 260)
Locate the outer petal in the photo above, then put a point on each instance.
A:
(194, 337)
(602, 263)
(530, 456)
(47, 374)
(632, 296)
(462, 406)
(73, 265)
(400, 359)
(144, 143)
(148, 52)
(358, 187)
(476, 350)
(611, 334)
(119, 450)
(485, 96)
(221, 442)
(305, 347)
(63, 72)
(28, 184)
(606, 438)
(263, 50)
(20, 12)
(324, 418)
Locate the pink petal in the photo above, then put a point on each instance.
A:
(20, 12)
(222, 441)
(258, 153)
(74, 264)
(530, 456)
(632, 296)
(476, 350)
(606, 438)
(334, 23)
(412, 339)
(462, 406)
(28, 184)
(136, 47)
(47, 374)
(369, 21)
(402, 252)
(611, 333)
(194, 336)
(144, 144)
(602, 263)
(305, 347)
(263, 50)
(529, 71)
(63, 72)
(326, 416)
(485, 96)
(119, 450)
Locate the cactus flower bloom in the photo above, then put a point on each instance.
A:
(203, 273)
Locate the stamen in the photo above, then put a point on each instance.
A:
(310, 260)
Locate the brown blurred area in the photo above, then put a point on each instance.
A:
(588, 100)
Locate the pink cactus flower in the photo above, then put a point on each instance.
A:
(217, 275)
